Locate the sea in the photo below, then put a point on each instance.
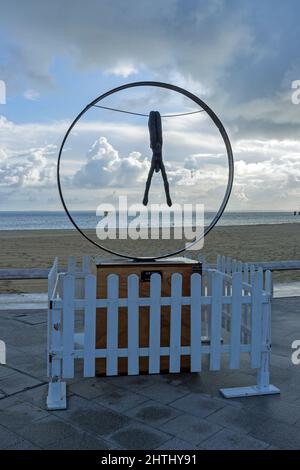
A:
(84, 219)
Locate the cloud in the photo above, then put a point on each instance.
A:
(265, 169)
(123, 70)
(241, 56)
(31, 95)
(104, 167)
(200, 39)
(28, 169)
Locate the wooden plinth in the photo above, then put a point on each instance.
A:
(166, 268)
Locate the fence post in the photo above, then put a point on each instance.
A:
(263, 373)
(57, 395)
(256, 317)
(52, 278)
(260, 341)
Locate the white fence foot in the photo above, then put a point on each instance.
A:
(57, 396)
(236, 392)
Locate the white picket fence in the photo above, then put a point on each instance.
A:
(230, 314)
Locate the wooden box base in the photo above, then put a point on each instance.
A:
(166, 268)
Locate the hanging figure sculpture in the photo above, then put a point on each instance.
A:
(156, 141)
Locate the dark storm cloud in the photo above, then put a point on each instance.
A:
(240, 51)
(200, 38)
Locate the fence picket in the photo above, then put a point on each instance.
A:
(89, 326)
(224, 262)
(133, 324)
(175, 319)
(219, 263)
(86, 264)
(68, 325)
(154, 331)
(71, 264)
(246, 273)
(233, 266)
(112, 324)
(196, 294)
(216, 320)
(256, 312)
(236, 316)
(52, 276)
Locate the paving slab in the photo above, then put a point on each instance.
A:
(177, 444)
(79, 441)
(7, 438)
(275, 406)
(91, 417)
(198, 405)
(191, 428)
(37, 395)
(153, 413)
(19, 415)
(138, 436)
(22, 444)
(163, 392)
(230, 440)
(46, 431)
(237, 419)
(120, 399)
(36, 318)
(92, 388)
(17, 382)
(5, 371)
(135, 382)
(278, 434)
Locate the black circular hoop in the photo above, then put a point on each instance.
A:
(216, 121)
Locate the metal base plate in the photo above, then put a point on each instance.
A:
(248, 391)
(57, 396)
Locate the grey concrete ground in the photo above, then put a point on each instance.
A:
(181, 411)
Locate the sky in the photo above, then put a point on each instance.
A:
(239, 57)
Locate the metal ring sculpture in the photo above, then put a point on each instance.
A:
(216, 121)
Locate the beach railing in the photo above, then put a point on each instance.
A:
(230, 316)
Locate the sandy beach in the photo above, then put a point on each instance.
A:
(37, 248)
